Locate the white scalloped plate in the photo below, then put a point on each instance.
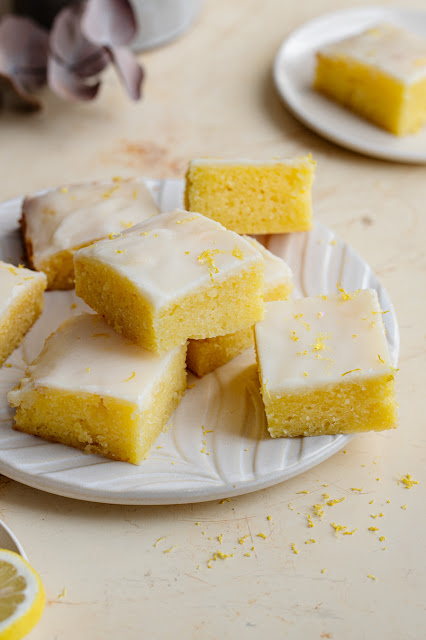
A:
(294, 71)
(239, 456)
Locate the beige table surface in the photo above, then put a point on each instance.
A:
(211, 93)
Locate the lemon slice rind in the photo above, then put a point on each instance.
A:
(29, 611)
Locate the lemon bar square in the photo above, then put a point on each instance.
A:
(380, 74)
(21, 303)
(56, 223)
(176, 276)
(249, 196)
(324, 366)
(92, 389)
(204, 356)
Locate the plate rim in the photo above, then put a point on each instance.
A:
(374, 151)
(15, 543)
(201, 494)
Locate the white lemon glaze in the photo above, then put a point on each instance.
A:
(68, 217)
(175, 254)
(85, 355)
(276, 270)
(387, 47)
(322, 340)
(14, 281)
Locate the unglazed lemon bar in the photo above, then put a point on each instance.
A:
(380, 74)
(21, 303)
(58, 222)
(324, 366)
(176, 276)
(204, 356)
(249, 196)
(92, 389)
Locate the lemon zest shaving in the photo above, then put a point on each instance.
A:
(408, 481)
(331, 503)
(175, 546)
(338, 527)
(309, 518)
(318, 510)
(159, 540)
(345, 295)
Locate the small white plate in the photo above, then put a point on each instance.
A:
(217, 445)
(294, 72)
(8, 540)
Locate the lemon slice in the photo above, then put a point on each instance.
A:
(22, 596)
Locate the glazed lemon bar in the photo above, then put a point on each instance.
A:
(380, 74)
(324, 366)
(91, 389)
(21, 303)
(176, 276)
(56, 223)
(206, 355)
(247, 196)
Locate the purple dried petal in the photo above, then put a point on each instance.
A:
(70, 47)
(12, 96)
(109, 22)
(23, 53)
(128, 69)
(67, 84)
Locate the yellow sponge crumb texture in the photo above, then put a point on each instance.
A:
(352, 407)
(204, 356)
(208, 312)
(103, 425)
(373, 94)
(253, 198)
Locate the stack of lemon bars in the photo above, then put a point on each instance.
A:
(187, 289)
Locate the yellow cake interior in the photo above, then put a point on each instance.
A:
(250, 198)
(59, 269)
(377, 96)
(348, 407)
(205, 313)
(103, 425)
(206, 355)
(19, 317)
